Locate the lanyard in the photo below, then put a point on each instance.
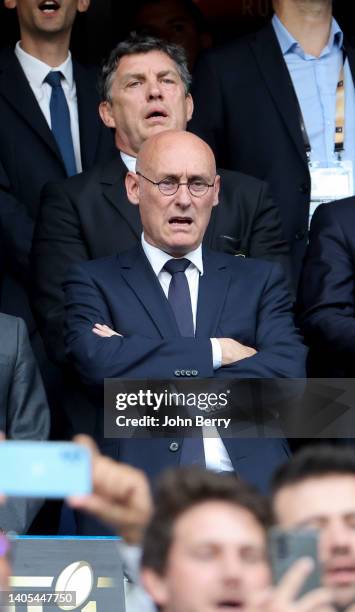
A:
(339, 134)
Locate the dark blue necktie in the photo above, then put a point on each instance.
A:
(192, 452)
(60, 120)
(179, 295)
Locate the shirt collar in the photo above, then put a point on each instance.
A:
(129, 161)
(158, 258)
(288, 43)
(36, 70)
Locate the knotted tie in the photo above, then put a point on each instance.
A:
(179, 295)
(180, 300)
(60, 120)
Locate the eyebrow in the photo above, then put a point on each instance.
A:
(320, 517)
(141, 75)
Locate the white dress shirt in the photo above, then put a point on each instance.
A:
(36, 71)
(129, 161)
(216, 456)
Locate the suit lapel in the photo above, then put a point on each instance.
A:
(213, 287)
(89, 120)
(139, 275)
(274, 71)
(17, 91)
(114, 191)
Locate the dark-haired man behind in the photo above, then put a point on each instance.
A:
(316, 489)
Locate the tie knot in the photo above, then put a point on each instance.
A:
(176, 265)
(54, 78)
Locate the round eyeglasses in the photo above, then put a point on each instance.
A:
(169, 186)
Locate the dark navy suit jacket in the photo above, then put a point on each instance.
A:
(327, 290)
(238, 298)
(29, 158)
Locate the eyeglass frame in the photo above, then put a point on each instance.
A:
(178, 185)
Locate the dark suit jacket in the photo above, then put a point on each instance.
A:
(89, 216)
(246, 109)
(327, 290)
(122, 291)
(24, 413)
(29, 157)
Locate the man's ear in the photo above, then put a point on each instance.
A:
(189, 107)
(106, 115)
(83, 6)
(155, 585)
(10, 4)
(216, 188)
(132, 187)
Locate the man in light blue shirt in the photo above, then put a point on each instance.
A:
(280, 104)
(315, 81)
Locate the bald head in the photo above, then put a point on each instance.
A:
(174, 220)
(161, 150)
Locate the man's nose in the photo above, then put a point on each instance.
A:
(154, 89)
(231, 569)
(337, 538)
(183, 196)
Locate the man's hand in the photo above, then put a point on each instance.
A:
(121, 495)
(104, 331)
(283, 597)
(233, 351)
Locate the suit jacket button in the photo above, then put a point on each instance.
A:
(173, 447)
(177, 373)
(182, 372)
(194, 372)
(304, 188)
(300, 235)
(188, 372)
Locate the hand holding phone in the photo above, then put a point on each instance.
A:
(287, 547)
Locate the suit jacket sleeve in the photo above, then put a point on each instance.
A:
(27, 419)
(16, 229)
(326, 295)
(280, 350)
(266, 240)
(135, 356)
(57, 243)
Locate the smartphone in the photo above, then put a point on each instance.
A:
(286, 547)
(44, 469)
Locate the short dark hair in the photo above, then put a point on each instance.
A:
(181, 489)
(314, 461)
(135, 44)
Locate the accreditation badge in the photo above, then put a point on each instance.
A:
(330, 183)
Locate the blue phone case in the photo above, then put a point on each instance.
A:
(44, 469)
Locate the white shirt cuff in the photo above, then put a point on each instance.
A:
(216, 353)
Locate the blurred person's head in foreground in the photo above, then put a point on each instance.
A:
(316, 489)
(205, 547)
